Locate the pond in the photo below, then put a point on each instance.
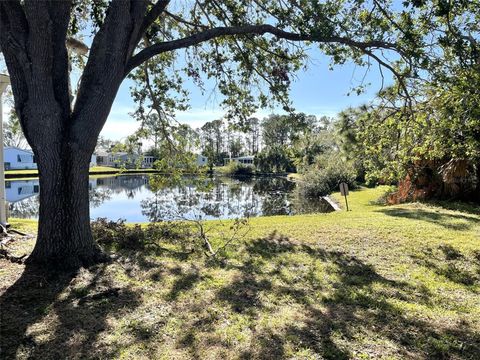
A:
(143, 198)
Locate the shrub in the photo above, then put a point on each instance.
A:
(325, 176)
(234, 168)
(117, 235)
(274, 160)
(180, 237)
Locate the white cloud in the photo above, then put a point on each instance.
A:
(198, 116)
(117, 129)
(321, 110)
(119, 123)
(121, 112)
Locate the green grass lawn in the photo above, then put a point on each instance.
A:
(29, 172)
(396, 282)
(94, 170)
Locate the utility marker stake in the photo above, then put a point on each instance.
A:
(344, 192)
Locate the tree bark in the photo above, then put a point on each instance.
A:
(65, 239)
(33, 41)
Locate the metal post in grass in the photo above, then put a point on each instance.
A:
(4, 82)
(344, 192)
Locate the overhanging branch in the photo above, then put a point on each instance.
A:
(210, 34)
(151, 16)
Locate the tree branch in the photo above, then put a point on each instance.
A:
(183, 21)
(105, 67)
(13, 28)
(213, 33)
(60, 17)
(151, 16)
(13, 24)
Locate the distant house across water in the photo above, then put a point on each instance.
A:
(202, 160)
(20, 159)
(247, 160)
(123, 159)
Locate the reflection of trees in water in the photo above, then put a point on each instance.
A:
(302, 205)
(218, 198)
(25, 209)
(98, 196)
(271, 185)
(275, 195)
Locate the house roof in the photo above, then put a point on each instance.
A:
(246, 157)
(101, 153)
(17, 148)
(106, 153)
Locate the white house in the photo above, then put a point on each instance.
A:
(248, 159)
(15, 158)
(202, 160)
(19, 159)
(147, 161)
(117, 159)
(93, 160)
(123, 159)
(101, 158)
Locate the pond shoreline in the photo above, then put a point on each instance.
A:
(33, 174)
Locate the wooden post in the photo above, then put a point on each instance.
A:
(344, 192)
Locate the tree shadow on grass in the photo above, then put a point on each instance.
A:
(465, 207)
(23, 304)
(450, 263)
(358, 303)
(448, 221)
(185, 281)
(243, 292)
(52, 318)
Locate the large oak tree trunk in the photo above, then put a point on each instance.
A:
(62, 134)
(64, 237)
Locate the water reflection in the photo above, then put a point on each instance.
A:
(140, 198)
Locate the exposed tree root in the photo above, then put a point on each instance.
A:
(15, 259)
(68, 263)
(99, 295)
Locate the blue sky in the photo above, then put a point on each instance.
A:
(317, 91)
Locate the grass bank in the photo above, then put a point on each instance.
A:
(95, 170)
(397, 282)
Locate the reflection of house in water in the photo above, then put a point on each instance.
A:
(21, 189)
(127, 183)
(18, 190)
(22, 198)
